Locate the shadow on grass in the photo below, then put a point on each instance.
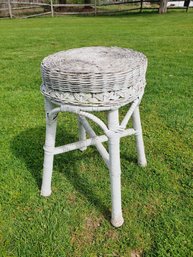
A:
(28, 146)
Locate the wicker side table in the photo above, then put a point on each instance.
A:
(92, 79)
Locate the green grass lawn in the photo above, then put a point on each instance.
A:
(74, 221)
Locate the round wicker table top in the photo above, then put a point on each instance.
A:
(94, 76)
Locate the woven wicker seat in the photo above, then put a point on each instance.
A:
(99, 76)
(94, 79)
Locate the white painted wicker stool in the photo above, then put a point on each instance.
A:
(94, 79)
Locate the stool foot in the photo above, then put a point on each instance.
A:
(143, 163)
(46, 193)
(139, 138)
(118, 222)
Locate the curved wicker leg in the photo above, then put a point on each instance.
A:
(82, 133)
(115, 170)
(139, 138)
(51, 124)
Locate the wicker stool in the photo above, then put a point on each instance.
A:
(94, 79)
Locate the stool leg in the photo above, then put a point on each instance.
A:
(139, 138)
(115, 170)
(51, 124)
(82, 133)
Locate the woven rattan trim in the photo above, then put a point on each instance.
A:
(94, 99)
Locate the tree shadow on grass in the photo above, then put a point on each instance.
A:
(28, 146)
